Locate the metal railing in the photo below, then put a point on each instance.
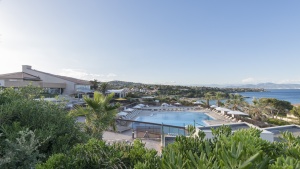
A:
(150, 130)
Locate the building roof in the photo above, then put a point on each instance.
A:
(20, 75)
(278, 130)
(115, 91)
(77, 81)
(71, 79)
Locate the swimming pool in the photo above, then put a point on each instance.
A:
(176, 118)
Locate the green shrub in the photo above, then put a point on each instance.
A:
(277, 122)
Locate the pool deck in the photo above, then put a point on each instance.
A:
(218, 119)
(126, 136)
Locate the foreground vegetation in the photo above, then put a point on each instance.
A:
(243, 149)
(31, 131)
(39, 134)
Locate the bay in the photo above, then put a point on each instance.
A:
(290, 95)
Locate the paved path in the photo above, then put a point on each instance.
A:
(127, 137)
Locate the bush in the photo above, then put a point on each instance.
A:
(277, 122)
(51, 126)
(97, 154)
(22, 152)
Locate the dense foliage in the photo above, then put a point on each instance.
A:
(243, 149)
(32, 130)
(282, 106)
(98, 154)
(296, 111)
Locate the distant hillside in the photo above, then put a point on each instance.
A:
(118, 83)
(267, 86)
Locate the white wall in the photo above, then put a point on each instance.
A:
(267, 136)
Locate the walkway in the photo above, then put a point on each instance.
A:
(127, 137)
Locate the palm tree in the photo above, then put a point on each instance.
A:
(236, 102)
(94, 84)
(219, 96)
(99, 114)
(255, 110)
(207, 97)
(103, 87)
(260, 110)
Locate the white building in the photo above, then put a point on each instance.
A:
(121, 93)
(53, 83)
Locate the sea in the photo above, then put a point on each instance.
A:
(290, 95)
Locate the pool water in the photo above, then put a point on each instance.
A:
(176, 118)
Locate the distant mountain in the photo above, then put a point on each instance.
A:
(267, 86)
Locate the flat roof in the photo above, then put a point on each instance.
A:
(278, 130)
(290, 128)
(115, 91)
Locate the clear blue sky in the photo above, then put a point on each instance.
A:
(154, 41)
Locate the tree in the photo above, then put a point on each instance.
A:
(94, 84)
(296, 111)
(236, 102)
(99, 113)
(208, 96)
(282, 106)
(219, 96)
(103, 88)
(258, 110)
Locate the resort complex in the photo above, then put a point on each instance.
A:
(128, 120)
(99, 118)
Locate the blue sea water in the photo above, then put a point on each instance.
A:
(290, 95)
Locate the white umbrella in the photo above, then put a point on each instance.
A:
(122, 114)
(137, 107)
(238, 113)
(222, 109)
(141, 105)
(129, 110)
